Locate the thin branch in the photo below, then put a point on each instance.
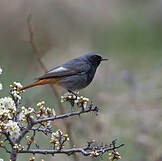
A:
(43, 130)
(89, 109)
(32, 137)
(31, 34)
(33, 122)
(83, 150)
(8, 138)
(25, 130)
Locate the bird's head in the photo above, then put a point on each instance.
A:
(94, 58)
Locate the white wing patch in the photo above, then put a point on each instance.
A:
(59, 69)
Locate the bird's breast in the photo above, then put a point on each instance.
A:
(77, 81)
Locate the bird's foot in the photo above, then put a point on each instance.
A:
(74, 98)
(72, 105)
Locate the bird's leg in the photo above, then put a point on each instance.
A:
(72, 106)
(72, 101)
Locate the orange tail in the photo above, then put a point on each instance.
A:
(42, 82)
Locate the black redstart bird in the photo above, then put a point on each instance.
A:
(73, 75)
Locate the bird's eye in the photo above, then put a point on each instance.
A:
(96, 57)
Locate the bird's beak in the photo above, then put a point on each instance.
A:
(103, 59)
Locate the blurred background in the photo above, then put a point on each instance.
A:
(128, 87)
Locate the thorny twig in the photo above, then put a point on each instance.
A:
(89, 109)
(43, 130)
(86, 151)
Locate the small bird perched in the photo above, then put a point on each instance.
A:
(73, 75)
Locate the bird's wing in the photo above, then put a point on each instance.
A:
(70, 68)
